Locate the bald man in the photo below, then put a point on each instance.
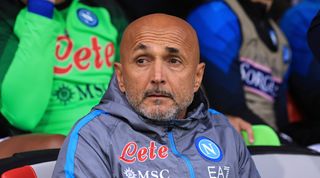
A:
(154, 121)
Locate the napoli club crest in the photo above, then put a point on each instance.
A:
(87, 17)
(208, 149)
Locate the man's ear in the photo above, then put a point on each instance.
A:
(119, 74)
(199, 76)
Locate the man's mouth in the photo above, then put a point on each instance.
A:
(158, 94)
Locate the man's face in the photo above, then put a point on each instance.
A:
(159, 72)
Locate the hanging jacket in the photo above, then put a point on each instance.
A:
(114, 141)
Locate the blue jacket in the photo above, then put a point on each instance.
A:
(220, 39)
(305, 70)
(114, 141)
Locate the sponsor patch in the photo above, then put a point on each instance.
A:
(82, 58)
(131, 152)
(208, 149)
(258, 79)
(64, 94)
(218, 171)
(87, 17)
(130, 173)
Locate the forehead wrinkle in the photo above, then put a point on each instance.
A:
(162, 29)
(162, 36)
(140, 46)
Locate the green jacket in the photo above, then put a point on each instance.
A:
(54, 70)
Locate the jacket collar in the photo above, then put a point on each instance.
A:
(115, 103)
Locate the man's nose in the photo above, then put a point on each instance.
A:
(158, 73)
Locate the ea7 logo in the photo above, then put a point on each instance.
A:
(129, 173)
(218, 171)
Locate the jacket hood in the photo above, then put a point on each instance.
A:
(115, 103)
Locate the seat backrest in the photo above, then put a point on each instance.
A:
(21, 172)
(41, 162)
(40, 170)
(286, 162)
(287, 166)
(263, 136)
(44, 170)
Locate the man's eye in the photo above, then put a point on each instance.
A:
(174, 61)
(141, 61)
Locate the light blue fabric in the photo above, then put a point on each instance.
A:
(177, 153)
(73, 142)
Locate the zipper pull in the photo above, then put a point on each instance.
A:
(170, 126)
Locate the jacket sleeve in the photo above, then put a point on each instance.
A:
(247, 167)
(81, 156)
(220, 39)
(304, 81)
(26, 87)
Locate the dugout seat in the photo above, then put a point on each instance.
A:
(285, 161)
(33, 164)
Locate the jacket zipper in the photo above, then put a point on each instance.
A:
(178, 154)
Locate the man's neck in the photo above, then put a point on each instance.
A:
(182, 114)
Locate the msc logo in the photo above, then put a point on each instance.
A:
(87, 17)
(208, 149)
(129, 173)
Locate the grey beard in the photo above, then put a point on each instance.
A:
(157, 115)
(168, 115)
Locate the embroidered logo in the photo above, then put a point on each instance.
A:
(208, 149)
(87, 17)
(218, 171)
(129, 173)
(155, 173)
(64, 94)
(131, 153)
